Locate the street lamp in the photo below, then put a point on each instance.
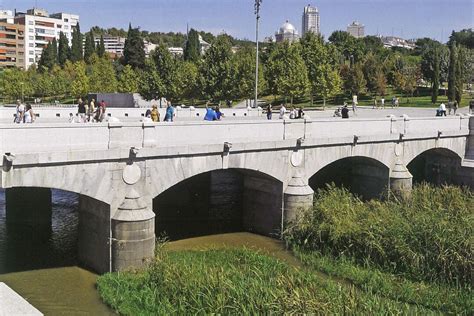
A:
(257, 13)
(21, 84)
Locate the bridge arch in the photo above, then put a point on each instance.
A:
(220, 201)
(365, 176)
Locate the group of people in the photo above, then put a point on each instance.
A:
(89, 112)
(153, 115)
(213, 113)
(381, 105)
(293, 113)
(343, 111)
(24, 113)
(452, 106)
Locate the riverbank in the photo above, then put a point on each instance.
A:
(239, 278)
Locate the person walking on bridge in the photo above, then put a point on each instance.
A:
(91, 110)
(20, 111)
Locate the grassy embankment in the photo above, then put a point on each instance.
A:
(412, 256)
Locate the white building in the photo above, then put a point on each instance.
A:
(310, 20)
(356, 29)
(393, 41)
(113, 44)
(203, 45)
(41, 28)
(6, 16)
(287, 32)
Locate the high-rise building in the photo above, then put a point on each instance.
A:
(356, 29)
(310, 20)
(41, 29)
(12, 45)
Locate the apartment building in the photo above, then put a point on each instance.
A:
(41, 28)
(356, 29)
(114, 45)
(12, 45)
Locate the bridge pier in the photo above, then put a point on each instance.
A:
(401, 180)
(133, 233)
(29, 206)
(298, 195)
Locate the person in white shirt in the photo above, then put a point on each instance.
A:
(382, 103)
(442, 109)
(282, 112)
(20, 112)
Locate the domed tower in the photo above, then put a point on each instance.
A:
(287, 32)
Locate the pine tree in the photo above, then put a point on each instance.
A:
(100, 49)
(89, 47)
(191, 49)
(76, 48)
(134, 50)
(63, 49)
(452, 72)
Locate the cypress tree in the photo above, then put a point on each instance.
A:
(101, 47)
(76, 48)
(459, 72)
(436, 75)
(54, 50)
(452, 72)
(89, 47)
(63, 49)
(134, 50)
(47, 58)
(191, 49)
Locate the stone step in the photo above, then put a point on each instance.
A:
(13, 304)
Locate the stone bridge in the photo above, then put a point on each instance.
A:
(131, 177)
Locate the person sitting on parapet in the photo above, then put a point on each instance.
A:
(282, 111)
(154, 114)
(345, 112)
(169, 115)
(211, 115)
(219, 114)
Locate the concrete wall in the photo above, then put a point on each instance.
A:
(94, 234)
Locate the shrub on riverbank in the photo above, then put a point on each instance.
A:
(427, 237)
(237, 281)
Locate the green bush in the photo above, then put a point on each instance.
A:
(426, 237)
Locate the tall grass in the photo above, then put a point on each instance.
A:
(427, 237)
(235, 282)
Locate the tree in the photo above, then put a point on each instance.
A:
(47, 60)
(89, 47)
(243, 73)
(80, 83)
(461, 71)
(350, 47)
(151, 87)
(464, 37)
(187, 81)
(353, 78)
(191, 50)
(54, 50)
(100, 49)
(381, 83)
(215, 70)
(15, 83)
(289, 70)
(63, 49)
(371, 69)
(435, 81)
(76, 48)
(323, 78)
(166, 67)
(452, 71)
(134, 49)
(102, 76)
(128, 80)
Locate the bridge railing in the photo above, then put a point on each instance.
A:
(31, 138)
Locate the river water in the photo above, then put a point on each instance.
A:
(42, 266)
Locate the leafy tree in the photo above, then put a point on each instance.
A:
(151, 85)
(128, 80)
(191, 49)
(63, 49)
(76, 48)
(166, 66)
(80, 83)
(102, 76)
(215, 70)
(353, 79)
(100, 49)
(371, 68)
(187, 81)
(89, 47)
(381, 83)
(15, 83)
(289, 69)
(243, 73)
(350, 47)
(134, 49)
(372, 44)
(464, 37)
(61, 81)
(323, 78)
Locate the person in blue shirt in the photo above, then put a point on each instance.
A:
(210, 114)
(169, 113)
(219, 114)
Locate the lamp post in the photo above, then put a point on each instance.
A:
(21, 84)
(257, 13)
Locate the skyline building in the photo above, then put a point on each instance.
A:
(287, 32)
(41, 28)
(356, 29)
(310, 20)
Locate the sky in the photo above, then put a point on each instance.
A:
(405, 18)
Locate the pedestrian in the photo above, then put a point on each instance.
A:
(210, 114)
(100, 112)
(81, 109)
(20, 111)
(442, 109)
(91, 110)
(269, 111)
(382, 103)
(292, 113)
(471, 107)
(375, 103)
(169, 115)
(219, 114)
(282, 111)
(455, 106)
(29, 114)
(397, 102)
(154, 113)
(300, 113)
(345, 112)
(354, 103)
